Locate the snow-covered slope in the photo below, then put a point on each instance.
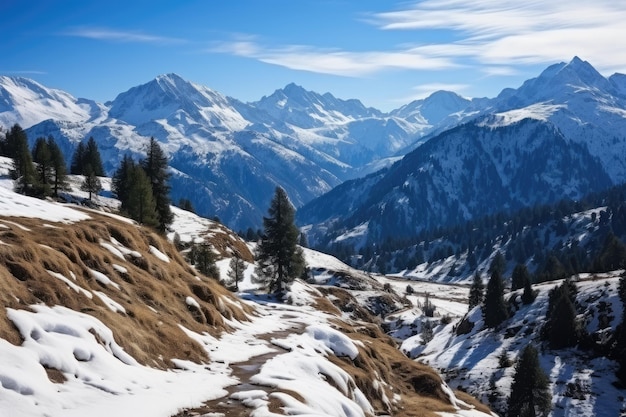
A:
(102, 317)
(27, 102)
(580, 380)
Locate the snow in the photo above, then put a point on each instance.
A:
(160, 255)
(287, 344)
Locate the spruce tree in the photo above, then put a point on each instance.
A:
(120, 183)
(561, 329)
(519, 277)
(236, 270)
(279, 259)
(91, 183)
(59, 167)
(495, 309)
(92, 157)
(23, 171)
(77, 167)
(44, 169)
(140, 204)
(155, 166)
(476, 292)
(530, 391)
(528, 296)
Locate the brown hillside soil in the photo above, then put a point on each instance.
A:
(153, 292)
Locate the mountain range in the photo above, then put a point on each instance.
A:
(559, 136)
(228, 156)
(434, 161)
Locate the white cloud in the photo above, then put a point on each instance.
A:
(491, 35)
(108, 34)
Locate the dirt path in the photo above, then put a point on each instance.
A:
(244, 371)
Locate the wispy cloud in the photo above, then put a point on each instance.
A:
(114, 35)
(491, 35)
(512, 32)
(334, 61)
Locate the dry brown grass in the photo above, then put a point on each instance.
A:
(419, 386)
(152, 292)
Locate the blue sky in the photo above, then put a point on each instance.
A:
(385, 53)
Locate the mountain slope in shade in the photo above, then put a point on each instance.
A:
(561, 135)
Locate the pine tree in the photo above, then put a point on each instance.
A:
(44, 170)
(530, 391)
(494, 308)
(120, 183)
(561, 329)
(91, 184)
(59, 167)
(519, 277)
(498, 263)
(92, 157)
(278, 256)
(23, 171)
(476, 292)
(87, 155)
(202, 258)
(140, 204)
(236, 270)
(528, 296)
(77, 166)
(612, 256)
(155, 166)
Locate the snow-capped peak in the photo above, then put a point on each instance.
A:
(27, 102)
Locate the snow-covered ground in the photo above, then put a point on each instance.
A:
(287, 345)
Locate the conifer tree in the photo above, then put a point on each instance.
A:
(155, 166)
(91, 184)
(87, 155)
(77, 166)
(236, 270)
(476, 292)
(44, 170)
(561, 329)
(619, 349)
(528, 296)
(519, 277)
(495, 309)
(140, 204)
(530, 391)
(612, 256)
(59, 181)
(202, 258)
(23, 169)
(279, 259)
(92, 157)
(120, 183)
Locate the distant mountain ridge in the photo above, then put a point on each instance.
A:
(226, 156)
(560, 135)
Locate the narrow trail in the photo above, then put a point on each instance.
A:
(244, 371)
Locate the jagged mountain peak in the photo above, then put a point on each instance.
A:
(558, 82)
(434, 108)
(171, 96)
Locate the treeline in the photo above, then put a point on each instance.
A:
(142, 187)
(527, 234)
(42, 171)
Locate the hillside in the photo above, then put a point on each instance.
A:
(106, 317)
(582, 378)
